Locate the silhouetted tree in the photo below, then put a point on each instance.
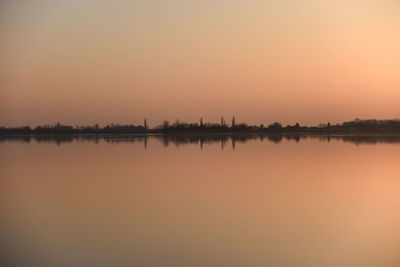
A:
(275, 126)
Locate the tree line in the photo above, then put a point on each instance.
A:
(356, 125)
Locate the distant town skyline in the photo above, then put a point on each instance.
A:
(308, 62)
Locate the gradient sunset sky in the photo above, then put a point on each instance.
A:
(310, 61)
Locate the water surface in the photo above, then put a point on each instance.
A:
(200, 201)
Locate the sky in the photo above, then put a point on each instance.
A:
(86, 62)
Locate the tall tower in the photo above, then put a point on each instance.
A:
(222, 121)
(201, 122)
(145, 123)
(233, 122)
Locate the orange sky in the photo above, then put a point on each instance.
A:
(311, 61)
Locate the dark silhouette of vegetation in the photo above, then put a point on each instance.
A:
(204, 139)
(355, 126)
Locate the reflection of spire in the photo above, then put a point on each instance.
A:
(222, 143)
(201, 143)
(145, 142)
(233, 143)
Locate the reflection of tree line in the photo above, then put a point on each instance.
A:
(200, 139)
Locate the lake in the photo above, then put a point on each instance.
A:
(291, 200)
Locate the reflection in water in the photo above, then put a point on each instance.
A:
(202, 140)
(275, 200)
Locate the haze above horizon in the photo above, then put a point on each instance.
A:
(310, 61)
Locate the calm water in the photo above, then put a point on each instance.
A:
(200, 201)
